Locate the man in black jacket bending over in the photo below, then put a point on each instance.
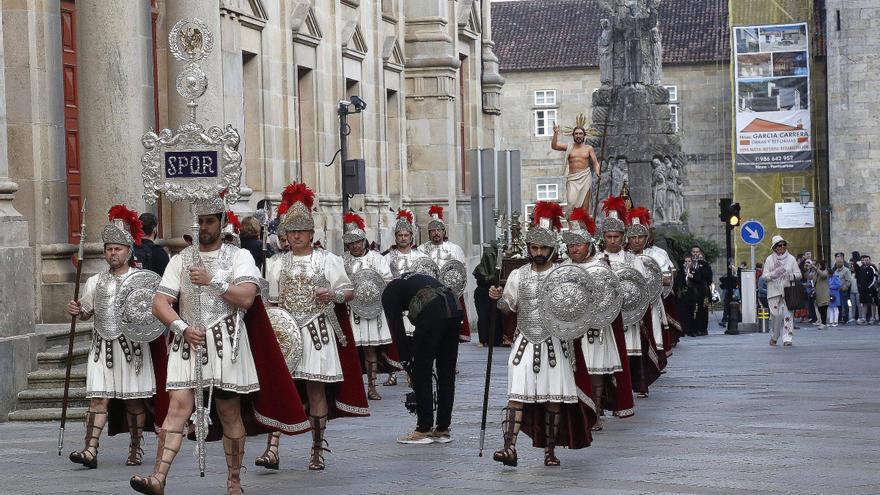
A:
(436, 314)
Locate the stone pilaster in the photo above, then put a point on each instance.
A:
(16, 258)
(116, 103)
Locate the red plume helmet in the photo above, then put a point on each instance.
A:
(130, 218)
(355, 219)
(296, 192)
(406, 214)
(616, 204)
(232, 219)
(548, 209)
(581, 216)
(642, 214)
(436, 209)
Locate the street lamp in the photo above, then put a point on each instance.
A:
(804, 197)
(352, 171)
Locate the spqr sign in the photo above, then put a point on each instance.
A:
(201, 164)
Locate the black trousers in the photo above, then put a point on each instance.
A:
(485, 306)
(435, 341)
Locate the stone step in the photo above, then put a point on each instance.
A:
(58, 333)
(51, 397)
(54, 378)
(56, 357)
(48, 414)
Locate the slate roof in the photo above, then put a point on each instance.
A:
(562, 34)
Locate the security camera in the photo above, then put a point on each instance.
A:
(359, 104)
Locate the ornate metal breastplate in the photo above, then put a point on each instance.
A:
(213, 306)
(400, 263)
(438, 254)
(528, 317)
(106, 306)
(297, 283)
(353, 265)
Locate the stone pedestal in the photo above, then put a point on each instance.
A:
(638, 130)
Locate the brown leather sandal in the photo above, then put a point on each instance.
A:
(510, 426)
(271, 458)
(154, 484)
(234, 450)
(88, 457)
(136, 429)
(319, 424)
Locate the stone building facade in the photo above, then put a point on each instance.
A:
(696, 70)
(82, 80)
(853, 42)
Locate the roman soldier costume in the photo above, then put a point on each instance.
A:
(327, 356)
(370, 272)
(644, 338)
(240, 357)
(543, 395)
(443, 253)
(604, 350)
(117, 368)
(672, 330)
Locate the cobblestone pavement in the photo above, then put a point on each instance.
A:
(731, 416)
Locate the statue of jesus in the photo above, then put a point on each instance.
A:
(576, 163)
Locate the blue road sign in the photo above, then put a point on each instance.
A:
(752, 232)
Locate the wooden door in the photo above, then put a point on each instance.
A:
(71, 119)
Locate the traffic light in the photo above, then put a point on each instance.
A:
(729, 212)
(734, 217)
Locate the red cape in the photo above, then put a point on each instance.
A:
(575, 425)
(464, 334)
(670, 304)
(277, 405)
(649, 366)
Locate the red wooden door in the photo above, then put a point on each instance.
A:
(71, 118)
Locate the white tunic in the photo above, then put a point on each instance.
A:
(117, 369)
(400, 263)
(320, 361)
(632, 333)
(233, 373)
(554, 380)
(599, 345)
(658, 311)
(369, 332)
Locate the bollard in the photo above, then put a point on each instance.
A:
(733, 318)
(764, 320)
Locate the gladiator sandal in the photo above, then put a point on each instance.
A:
(88, 456)
(551, 431)
(391, 381)
(372, 371)
(510, 426)
(154, 484)
(271, 458)
(598, 391)
(234, 450)
(136, 428)
(319, 424)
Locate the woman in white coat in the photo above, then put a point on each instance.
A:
(780, 268)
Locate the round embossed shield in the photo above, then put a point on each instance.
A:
(633, 287)
(667, 289)
(425, 266)
(565, 301)
(289, 336)
(368, 287)
(606, 293)
(654, 276)
(135, 307)
(453, 274)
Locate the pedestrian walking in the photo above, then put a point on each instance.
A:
(780, 269)
(866, 278)
(822, 296)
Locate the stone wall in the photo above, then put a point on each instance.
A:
(704, 127)
(854, 124)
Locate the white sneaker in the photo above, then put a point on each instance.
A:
(415, 438)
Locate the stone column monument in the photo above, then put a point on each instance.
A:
(631, 127)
